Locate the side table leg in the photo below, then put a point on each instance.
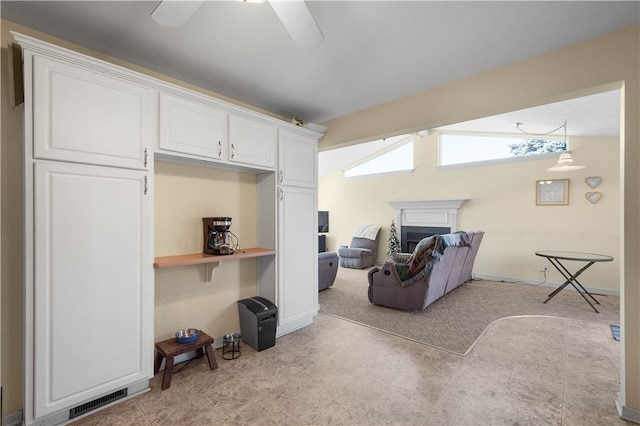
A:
(168, 369)
(156, 365)
(213, 364)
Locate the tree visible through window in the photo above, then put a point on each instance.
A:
(538, 146)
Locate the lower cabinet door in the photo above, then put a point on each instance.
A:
(297, 258)
(92, 294)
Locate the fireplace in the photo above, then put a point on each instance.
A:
(410, 236)
(423, 218)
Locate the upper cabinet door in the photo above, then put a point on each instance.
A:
(89, 117)
(192, 127)
(252, 142)
(298, 160)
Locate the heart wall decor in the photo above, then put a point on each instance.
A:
(593, 181)
(593, 197)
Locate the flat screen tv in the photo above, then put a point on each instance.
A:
(323, 221)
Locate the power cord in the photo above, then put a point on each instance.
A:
(544, 280)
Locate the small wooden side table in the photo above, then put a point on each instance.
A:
(170, 348)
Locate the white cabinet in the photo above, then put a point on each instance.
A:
(297, 257)
(252, 142)
(85, 116)
(297, 160)
(191, 127)
(92, 269)
(88, 265)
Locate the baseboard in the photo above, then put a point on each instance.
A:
(542, 284)
(14, 419)
(627, 413)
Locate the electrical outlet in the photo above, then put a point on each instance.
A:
(545, 268)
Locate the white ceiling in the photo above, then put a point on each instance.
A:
(373, 51)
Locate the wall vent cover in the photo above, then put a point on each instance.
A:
(96, 403)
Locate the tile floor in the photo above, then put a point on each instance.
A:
(522, 371)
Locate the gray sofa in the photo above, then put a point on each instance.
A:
(453, 268)
(327, 269)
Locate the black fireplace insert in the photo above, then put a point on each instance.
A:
(410, 236)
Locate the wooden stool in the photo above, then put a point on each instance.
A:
(170, 348)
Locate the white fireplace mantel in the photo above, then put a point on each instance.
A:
(434, 213)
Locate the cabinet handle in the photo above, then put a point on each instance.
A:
(281, 176)
(281, 195)
(233, 151)
(146, 186)
(219, 149)
(146, 157)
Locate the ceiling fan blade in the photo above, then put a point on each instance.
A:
(299, 22)
(174, 13)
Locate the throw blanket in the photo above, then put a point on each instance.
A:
(366, 231)
(427, 252)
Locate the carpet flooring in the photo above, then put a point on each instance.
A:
(455, 321)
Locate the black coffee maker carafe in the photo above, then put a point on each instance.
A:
(217, 239)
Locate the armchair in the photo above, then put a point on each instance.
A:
(363, 250)
(452, 268)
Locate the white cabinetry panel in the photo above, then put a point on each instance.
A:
(87, 117)
(298, 257)
(192, 127)
(297, 160)
(252, 142)
(92, 308)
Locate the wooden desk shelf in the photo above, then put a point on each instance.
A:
(210, 261)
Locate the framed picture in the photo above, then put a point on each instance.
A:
(552, 192)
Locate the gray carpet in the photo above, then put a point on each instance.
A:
(455, 321)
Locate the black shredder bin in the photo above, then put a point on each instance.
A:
(258, 320)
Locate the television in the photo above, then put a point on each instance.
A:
(323, 221)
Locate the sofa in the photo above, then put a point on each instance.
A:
(327, 269)
(363, 251)
(449, 266)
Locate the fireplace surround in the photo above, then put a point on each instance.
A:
(423, 218)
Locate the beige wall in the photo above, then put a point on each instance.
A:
(11, 247)
(501, 203)
(608, 62)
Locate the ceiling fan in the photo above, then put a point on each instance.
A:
(294, 14)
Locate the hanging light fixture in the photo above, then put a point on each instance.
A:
(565, 162)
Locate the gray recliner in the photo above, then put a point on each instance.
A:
(327, 269)
(363, 251)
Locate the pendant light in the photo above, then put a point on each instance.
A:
(565, 162)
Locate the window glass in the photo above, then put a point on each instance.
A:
(468, 148)
(397, 160)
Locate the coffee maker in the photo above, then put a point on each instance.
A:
(217, 236)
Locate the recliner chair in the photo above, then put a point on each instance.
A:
(363, 250)
(327, 269)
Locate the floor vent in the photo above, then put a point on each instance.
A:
(96, 403)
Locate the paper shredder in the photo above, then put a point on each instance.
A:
(258, 321)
